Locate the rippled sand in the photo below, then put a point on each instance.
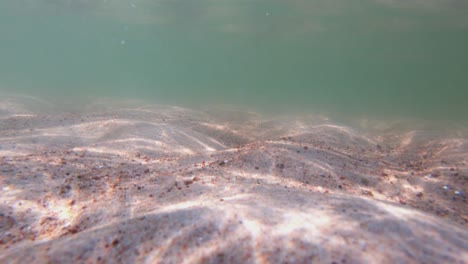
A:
(132, 182)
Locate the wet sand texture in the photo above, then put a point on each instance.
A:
(131, 183)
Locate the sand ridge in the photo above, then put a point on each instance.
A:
(137, 182)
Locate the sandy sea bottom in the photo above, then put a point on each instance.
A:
(131, 181)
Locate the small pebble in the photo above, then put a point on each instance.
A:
(446, 187)
(457, 192)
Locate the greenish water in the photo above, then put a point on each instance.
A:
(375, 57)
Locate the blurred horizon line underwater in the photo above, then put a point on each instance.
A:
(387, 58)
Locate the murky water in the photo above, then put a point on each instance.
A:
(370, 57)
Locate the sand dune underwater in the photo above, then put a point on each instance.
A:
(127, 182)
